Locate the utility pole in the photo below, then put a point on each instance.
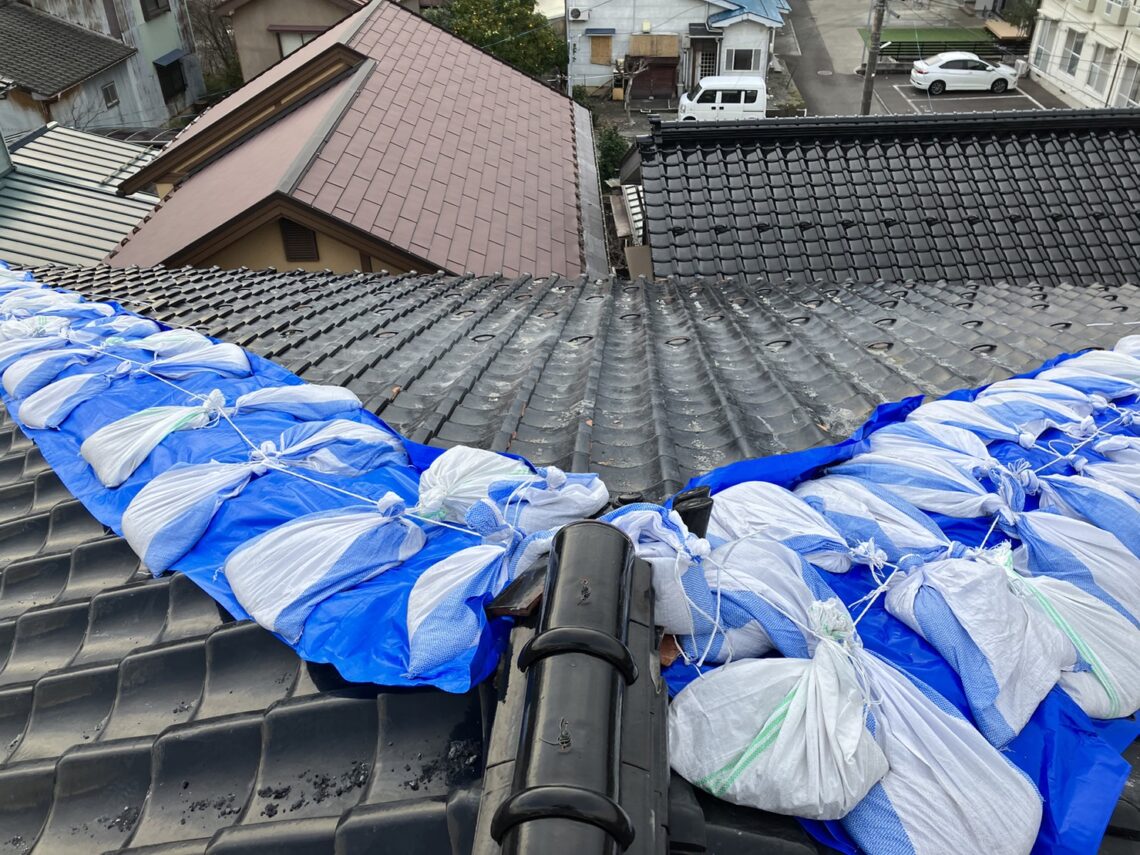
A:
(879, 11)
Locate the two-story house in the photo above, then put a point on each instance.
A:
(674, 43)
(1088, 51)
(95, 63)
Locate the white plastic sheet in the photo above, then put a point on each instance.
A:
(116, 450)
(783, 735)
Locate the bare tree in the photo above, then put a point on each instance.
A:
(214, 43)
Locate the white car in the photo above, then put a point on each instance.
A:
(958, 70)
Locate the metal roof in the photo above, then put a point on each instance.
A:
(58, 205)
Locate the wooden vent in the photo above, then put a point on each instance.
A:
(300, 243)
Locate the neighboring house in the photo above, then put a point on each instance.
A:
(96, 63)
(58, 202)
(385, 143)
(266, 31)
(1042, 196)
(674, 42)
(1088, 51)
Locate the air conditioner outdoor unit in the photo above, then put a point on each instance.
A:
(579, 14)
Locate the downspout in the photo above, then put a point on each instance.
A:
(1120, 59)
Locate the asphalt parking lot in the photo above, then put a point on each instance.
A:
(895, 95)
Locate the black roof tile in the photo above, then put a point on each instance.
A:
(133, 713)
(898, 198)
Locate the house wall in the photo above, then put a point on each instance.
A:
(81, 107)
(19, 113)
(262, 248)
(152, 39)
(1096, 20)
(627, 17)
(257, 45)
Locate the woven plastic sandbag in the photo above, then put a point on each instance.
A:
(1122, 474)
(1119, 362)
(48, 407)
(864, 512)
(1080, 376)
(948, 789)
(1076, 400)
(682, 601)
(310, 402)
(171, 342)
(757, 508)
(116, 450)
(31, 373)
(1034, 414)
(1089, 557)
(340, 447)
(280, 576)
(26, 303)
(228, 360)
(34, 327)
(1128, 345)
(1007, 653)
(445, 616)
(16, 348)
(930, 483)
(783, 735)
(460, 477)
(1107, 682)
(969, 416)
(548, 499)
(1100, 504)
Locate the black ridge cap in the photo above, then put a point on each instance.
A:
(1021, 121)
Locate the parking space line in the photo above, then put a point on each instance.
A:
(898, 88)
(1040, 106)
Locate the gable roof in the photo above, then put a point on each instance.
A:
(440, 151)
(1045, 195)
(46, 55)
(646, 384)
(59, 205)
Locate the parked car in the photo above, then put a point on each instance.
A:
(727, 98)
(958, 70)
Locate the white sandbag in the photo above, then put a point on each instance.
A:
(31, 373)
(1128, 345)
(1042, 387)
(228, 360)
(460, 477)
(1091, 382)
(442, 626)
(1107, 685)
(757, 508)
(116, 450)
(48, 407)
(1119, 362)
(339, 447)
(969, 416)
(948, 790)
(783, 735)
(308, 401)
(280, 576)
(1095, 502)
(170, 342)
(548, 499)
(34, 327)
(15, 348)
(1008, 655)
(1034, 414)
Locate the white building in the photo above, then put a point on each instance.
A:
(1088, 51)
(677, 42)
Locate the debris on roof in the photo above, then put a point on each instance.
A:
(46, 55)
(431, 148)
(647, 384)
(59, 204)
(1034, 196)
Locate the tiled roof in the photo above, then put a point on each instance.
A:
(645, 384)
(443, 152)
(133, 714)
(46, 55)
(1044, 196)
(59, 204)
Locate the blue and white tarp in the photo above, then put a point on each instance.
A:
(288, 503)
(997, 536)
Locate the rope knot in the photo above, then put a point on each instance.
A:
(869, 554)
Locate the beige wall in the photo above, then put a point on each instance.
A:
(262, 248)
(257, 46)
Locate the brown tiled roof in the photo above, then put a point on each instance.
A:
(445, 152)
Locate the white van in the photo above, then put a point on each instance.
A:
(722, 99)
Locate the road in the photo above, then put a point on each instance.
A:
(829, 50)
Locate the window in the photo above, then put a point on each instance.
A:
(1128, 94)
(707, 97)
(750, 96)
(601, 50)
(289, 42)
(300, 243)
(1071, 52)
(1046, 30)
(1102, 60)
(954, 65)
(730, 96)
(742, 60)
(110, 94)
(976, 65)
(1112, 8)
(171, 79)
(154, 8)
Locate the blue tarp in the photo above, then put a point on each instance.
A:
(1074, 761)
